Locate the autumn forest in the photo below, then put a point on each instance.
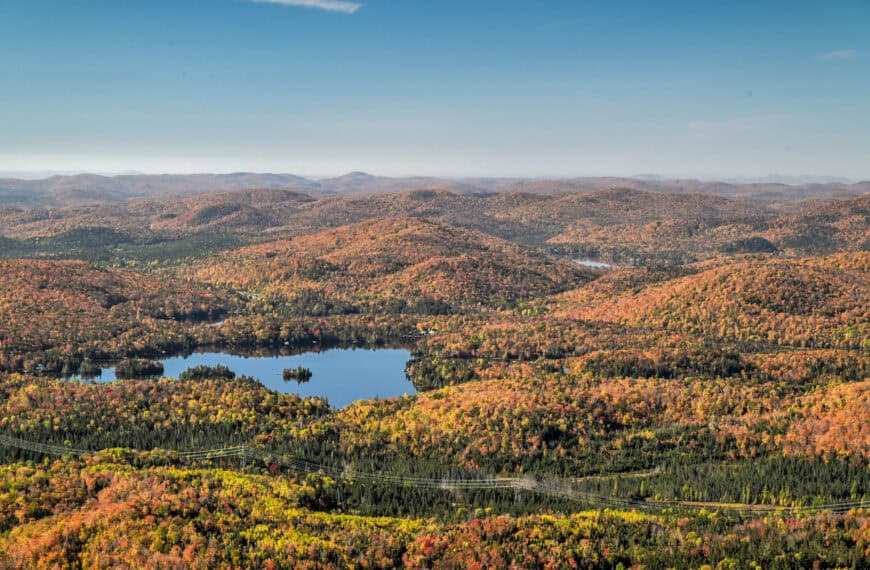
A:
(696, 393)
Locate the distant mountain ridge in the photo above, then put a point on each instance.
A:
(82, 189)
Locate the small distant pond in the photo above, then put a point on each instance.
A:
(593, 263)
(341, 375)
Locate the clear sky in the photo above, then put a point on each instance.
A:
(442, 87)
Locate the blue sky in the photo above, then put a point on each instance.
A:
(473, 87)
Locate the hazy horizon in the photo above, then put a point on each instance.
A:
(769, 178)
(451, 89)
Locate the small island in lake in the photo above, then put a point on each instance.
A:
(89, 369)
(138, 368)
(205, 372)
(300, 374)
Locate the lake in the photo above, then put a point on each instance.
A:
(593, 263)
(341, 375)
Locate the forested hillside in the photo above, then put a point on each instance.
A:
(626, 227)
(55, 314)
(406, 262)
(705, 401)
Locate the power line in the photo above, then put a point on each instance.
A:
(551, 487)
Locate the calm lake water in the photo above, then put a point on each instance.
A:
(593, 263)
(340, 375)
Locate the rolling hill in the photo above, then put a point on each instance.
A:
(72, 309)
(622, 226)
(83, 189)
(807, 302)
(403, 260)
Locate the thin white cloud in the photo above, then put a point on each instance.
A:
(838, 55)
(342, 6)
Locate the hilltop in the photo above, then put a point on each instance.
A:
(90, 189)
(399, 260)
(839, 225)
(808, 302)
(622, 226)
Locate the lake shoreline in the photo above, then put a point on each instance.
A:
(341, 375)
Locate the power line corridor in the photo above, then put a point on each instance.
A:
(548, 486)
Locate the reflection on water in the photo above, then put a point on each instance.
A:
(341, 375)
